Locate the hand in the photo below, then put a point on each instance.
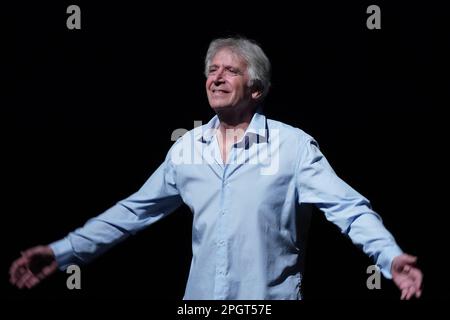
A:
(35, 265)
(407, 276)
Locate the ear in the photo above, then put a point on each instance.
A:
(256, 91)
(256, 94)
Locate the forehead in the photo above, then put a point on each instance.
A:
(227, 57)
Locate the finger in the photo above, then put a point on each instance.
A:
(17, 263)
(14, 265)
(407, 258)
(404, 292)
(28, 282)
(50, 269)
(23, 279)
(417, 277)
(18, 273)
(408, 294)
(418, 293)
(12, 274)
(411, 292)
(31, 282)
(46, 271)
(33, 251)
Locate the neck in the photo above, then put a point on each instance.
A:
(235, 119)
(233, 124)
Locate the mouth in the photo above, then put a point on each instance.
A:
(219, 91)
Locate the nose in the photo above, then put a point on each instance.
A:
(217, 77)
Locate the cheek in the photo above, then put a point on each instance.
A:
(239, 88)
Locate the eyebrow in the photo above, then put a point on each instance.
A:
(228, 67)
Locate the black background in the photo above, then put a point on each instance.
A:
(90, 115)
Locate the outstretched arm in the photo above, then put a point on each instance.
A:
(352, 213)
(157, 198)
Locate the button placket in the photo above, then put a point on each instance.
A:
(221, 244)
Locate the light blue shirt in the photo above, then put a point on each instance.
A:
(245, 242)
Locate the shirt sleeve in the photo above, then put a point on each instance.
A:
(157, 198)
(317, 183)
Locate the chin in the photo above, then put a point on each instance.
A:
(220, 106)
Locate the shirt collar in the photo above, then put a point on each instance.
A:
(257, 127)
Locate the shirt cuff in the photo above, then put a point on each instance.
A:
(63, 253)
(385, 260)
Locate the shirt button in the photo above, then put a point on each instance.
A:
(221, 242)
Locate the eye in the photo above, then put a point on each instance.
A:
(212, 70)
(232, 71)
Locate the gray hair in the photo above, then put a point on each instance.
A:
(257, 61)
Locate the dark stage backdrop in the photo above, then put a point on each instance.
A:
(91, 112)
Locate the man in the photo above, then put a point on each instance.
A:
(243, 176)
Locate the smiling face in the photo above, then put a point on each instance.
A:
(227, 83)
